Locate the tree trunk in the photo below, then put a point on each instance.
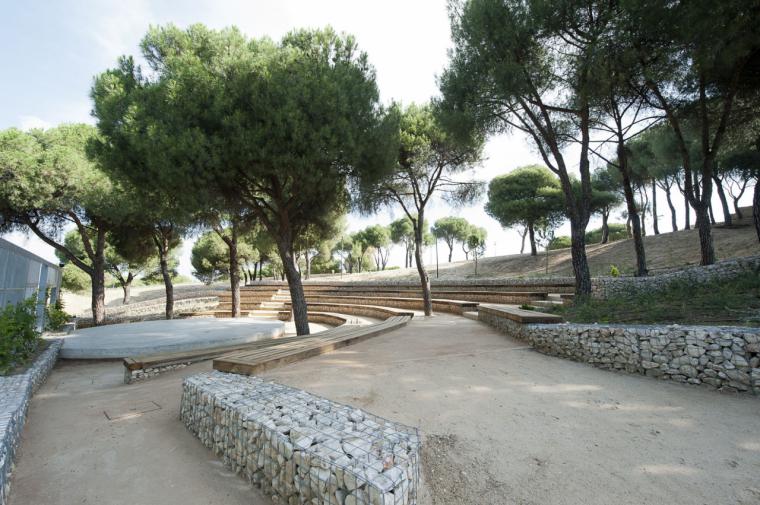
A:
(532, 239)
(605, 226)
(711, 214)
(756, 208)
(163, 253)
(673, 221)
(723, 201)
(633, 213)
(451, 249)
(126, 287)
(295, 285)
(580, 261)
(232, 245)
(643, 218)
(655, 224)
(705, 235)
(427, 299)
(738, 211)
(523, 234)
(687, 216)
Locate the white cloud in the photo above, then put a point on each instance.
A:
(31, 122)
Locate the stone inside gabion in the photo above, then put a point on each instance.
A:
(300, 448)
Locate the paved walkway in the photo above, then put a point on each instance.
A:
(502, 424)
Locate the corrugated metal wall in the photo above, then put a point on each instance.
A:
(22, 274)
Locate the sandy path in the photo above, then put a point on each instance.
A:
(502, 424)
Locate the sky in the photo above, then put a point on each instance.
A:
(52, 51)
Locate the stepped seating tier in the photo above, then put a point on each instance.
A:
(374, 311)
(471, 296)
(439, 305)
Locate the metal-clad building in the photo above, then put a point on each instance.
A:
(22, 274)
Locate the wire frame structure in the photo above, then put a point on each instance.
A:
(300, 448)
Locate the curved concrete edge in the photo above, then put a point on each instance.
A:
(260, 332)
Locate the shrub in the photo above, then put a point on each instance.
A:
(525, 306)
(614, 271)
(18, 336)
(561, 242)
(55, 316)
(617, 232)
(75, 279)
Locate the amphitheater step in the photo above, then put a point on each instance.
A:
(471, 314)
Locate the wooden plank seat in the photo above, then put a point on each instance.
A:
(374, 311)
(440, 305)
(164, 360)
(517, 314)
(249, 362)
(330, 318)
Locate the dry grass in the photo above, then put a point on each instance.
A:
(664, 251)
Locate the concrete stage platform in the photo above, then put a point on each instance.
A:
(153, 337)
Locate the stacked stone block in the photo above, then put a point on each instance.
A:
(727, 358)
(15, 393)
(300, 448)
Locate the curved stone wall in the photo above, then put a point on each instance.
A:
(727, 358)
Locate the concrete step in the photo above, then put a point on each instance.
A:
(471, 314)
(546, 303)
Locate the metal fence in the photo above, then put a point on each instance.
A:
(23, 274)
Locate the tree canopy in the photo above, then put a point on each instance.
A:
(528, 196)
(48, 182)
(451, 229)
(277, 128)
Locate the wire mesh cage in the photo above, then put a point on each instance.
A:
(300, 448)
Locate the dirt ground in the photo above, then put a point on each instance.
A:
(91, 439)
(663, 251)
(501, 424)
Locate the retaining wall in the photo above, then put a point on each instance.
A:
(15, 393)
(300, 448)
(604, 287)
(726, 358)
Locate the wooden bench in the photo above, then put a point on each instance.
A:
(354, 309)
(249, 362)
(134, 364)
(319, 317)
(440, 305)
(518, 315)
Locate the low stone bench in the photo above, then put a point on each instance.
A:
(300, 448)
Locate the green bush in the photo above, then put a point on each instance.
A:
(617, 232)
(561, 242)
(19, 338)
(75, 279)
(55, 316)
(614, 271)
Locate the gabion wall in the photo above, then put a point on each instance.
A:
(15, 394)
(723, 357)
(300, 448)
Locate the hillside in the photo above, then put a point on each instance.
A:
(664, 251)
